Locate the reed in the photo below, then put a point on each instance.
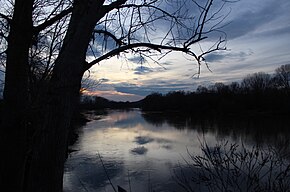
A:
(231, 167)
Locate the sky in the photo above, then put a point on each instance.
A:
(258, 40)
(258, 34)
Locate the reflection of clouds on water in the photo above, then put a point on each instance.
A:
(134, 147)
(162, 140)
(139, 150)
(89, 174)
(168, 147)
(141, 140)
(129, 119)
(164, 143)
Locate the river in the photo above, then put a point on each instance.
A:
(144, 152)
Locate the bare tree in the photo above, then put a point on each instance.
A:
(283, 76)
(51, 39)
(257, 82)
(234, 87)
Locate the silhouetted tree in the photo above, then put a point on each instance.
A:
(255, 96)
(234, 87)
(221, 88)
(201, 89)
(35, 137)
(257, 82)
(283, 76)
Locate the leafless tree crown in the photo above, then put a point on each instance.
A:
(149, 29)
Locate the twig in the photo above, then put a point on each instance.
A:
(106, 173)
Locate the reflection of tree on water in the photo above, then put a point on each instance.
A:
(258, 130)
(177, 120)
(156, 149)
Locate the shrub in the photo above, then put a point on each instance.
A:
(231, 167)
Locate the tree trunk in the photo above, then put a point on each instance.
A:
(14, 126)
(51, 138)
(33, 159)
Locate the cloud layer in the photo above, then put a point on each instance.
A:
(258, 35)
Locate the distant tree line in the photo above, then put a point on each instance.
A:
(257, 93)
(96, 102)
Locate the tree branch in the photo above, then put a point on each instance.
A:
(155, 47)
(151, 5)
(107, 33)
(6, 18)
(49, 22)
(179, 36)
(114, 5)
(3, 36)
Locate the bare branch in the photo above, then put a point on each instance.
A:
(51, 21)
(131, 26)
(107, 33)
(114, 5)
(155, 47)
(5, 17)
(3, 35)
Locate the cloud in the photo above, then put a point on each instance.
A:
(245, 22)
(155, 85)
(220, 56)
(284, 30)
(115, 95)
(104, 80)
(167, 63)
(214, 57)
(138, 59)
(143, 91)
(141, 70)
(257, 35)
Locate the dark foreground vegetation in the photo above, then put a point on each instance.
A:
(233, 167)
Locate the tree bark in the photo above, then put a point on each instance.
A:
(14, 125)
(34, 158)
(51, 136)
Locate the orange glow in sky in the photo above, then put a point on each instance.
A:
(114, 95)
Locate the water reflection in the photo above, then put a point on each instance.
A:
(139, 150)
(146, 147)
(251, 130)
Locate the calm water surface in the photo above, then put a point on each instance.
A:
(143, 150)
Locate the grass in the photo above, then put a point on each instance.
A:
(232, 167)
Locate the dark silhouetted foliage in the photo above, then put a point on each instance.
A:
(258, 93)
(96, 102)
